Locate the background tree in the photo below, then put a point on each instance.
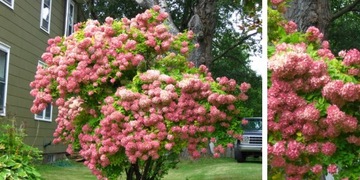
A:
(306, 13)
(343, 31)
(336, 19)
(235, 65)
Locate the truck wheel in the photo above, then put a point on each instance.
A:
(239, 157)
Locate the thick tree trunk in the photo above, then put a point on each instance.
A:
(203, 25)
(306, 13)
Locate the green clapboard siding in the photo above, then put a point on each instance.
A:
(20, 29)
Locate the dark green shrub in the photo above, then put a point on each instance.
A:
(16, 157)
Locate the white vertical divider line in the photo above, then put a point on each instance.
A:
(264, 91)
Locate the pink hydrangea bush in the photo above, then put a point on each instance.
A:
(128, 99)
(313, 101)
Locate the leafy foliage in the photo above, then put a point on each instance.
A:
(343, 32)
(99, 9)
(16, 158)
(235, 65)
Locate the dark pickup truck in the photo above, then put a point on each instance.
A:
(251, 144)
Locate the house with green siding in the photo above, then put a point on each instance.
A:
(25, 27)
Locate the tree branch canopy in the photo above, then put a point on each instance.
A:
(240, 41)
(91, 9)
(344, 10)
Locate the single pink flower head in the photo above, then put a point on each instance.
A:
(332, 169)
(244, 122)
(325, 44)
(277, 2)
(290, 27)
(216, 155)
(244, 87)
(317, 169)
(342, 53)
(156, 8)
(314, 34)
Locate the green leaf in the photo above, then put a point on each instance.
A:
(36, 173)
(17, 166)
(21, 173)
(5, 173)
(271, 50)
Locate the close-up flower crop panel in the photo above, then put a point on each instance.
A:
(313, 90)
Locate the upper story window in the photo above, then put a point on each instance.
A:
(45, 15)
(46, 114)
(9, 3)
(69, 21)
(4, 66)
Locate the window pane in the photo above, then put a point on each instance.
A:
(70, 19)
(40, 115)
(71, 11)
(45, 14)
(9, 2)
(48, 111)
(45, 24)
(3, 56)
(47, 3)
(2, 97)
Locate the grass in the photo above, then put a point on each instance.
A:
(67, 170)
(202, 169)
(216, 169)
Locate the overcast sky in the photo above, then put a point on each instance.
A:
(258, 65)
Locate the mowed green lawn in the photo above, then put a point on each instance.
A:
(201, 169)
(216, 169)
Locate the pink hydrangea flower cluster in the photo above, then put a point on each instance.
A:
(290, 27)
(291, 62)
(352, 57)
(338, 121)
(126, 92)
(98, 56)
(314, 34)
(307, 107)
(68, 111)
(130, 119)
(325, 52)
(353, 140)
(292, 116)
(277, 2)
(338, 92)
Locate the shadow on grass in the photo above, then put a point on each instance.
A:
(253, 160)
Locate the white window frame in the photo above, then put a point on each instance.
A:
(68, 4)
(41, 16)
(11, 5)
(42, 116)
(5, 48)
